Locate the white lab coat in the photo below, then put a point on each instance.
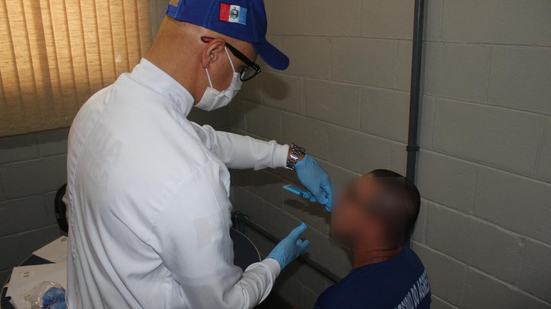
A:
(148, 202)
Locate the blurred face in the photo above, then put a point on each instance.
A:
(352, 219)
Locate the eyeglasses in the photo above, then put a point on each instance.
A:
(247, 73)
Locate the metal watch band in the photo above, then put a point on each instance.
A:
(296, 151)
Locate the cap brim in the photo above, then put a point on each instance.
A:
(271, 55)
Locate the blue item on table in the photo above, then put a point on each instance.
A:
(54, 298)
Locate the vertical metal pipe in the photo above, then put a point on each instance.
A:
(417, 57)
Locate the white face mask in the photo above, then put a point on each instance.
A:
(213, 99)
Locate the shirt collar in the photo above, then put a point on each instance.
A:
(162, 83)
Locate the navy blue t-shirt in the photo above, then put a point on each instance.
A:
(399, 283)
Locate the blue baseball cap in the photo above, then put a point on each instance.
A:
(240, 19)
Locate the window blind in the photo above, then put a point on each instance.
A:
(54, 54)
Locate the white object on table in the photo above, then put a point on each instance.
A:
(56, 251)
(24, 278)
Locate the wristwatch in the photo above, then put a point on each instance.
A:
(296, 151)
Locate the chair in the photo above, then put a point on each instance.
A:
(61, 209)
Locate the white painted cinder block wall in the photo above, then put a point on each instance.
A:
(32, 168)
(484, 231)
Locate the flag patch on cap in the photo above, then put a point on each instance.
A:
(233, 13)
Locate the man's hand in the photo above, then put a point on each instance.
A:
(290, 247)
(316, 180)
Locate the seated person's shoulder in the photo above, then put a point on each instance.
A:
(382, 285)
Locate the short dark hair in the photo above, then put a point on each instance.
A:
(398, 184)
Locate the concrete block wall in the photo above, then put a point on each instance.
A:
(484, 170)
(32, 168)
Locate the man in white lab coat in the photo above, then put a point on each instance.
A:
(148, 190)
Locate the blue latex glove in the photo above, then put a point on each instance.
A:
(316, 180)
(290, 247)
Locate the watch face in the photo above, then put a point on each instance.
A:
(297, 148)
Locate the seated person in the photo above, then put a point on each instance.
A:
(374, 216)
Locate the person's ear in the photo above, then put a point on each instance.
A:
(212, 51)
